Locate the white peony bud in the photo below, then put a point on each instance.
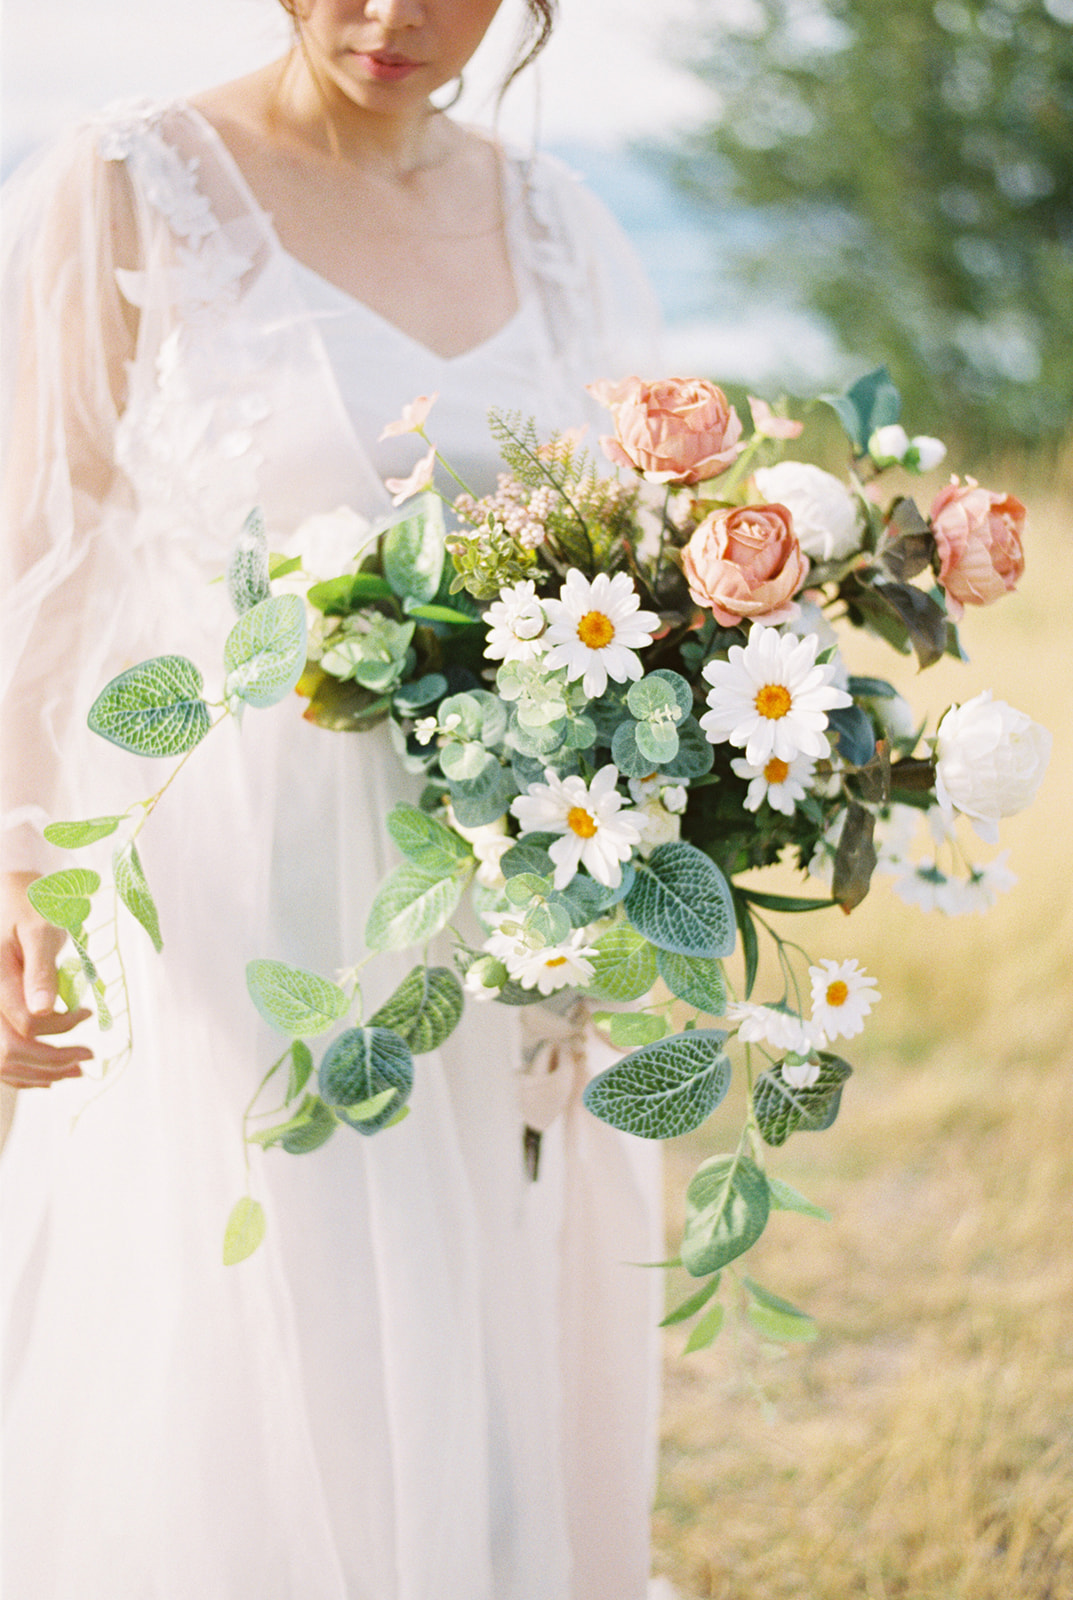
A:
(888, 444)
(990, 760)
(825, 514)
(925, 453)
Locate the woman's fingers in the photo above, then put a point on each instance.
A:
(29, 949)
(29, 1063)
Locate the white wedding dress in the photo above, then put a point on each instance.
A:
(435, 1380)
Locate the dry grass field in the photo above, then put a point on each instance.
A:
(922, 1447)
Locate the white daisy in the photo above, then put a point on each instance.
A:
(556, 966)
(781, 783)
(516, 624)
(595, 627)
(771, 698)
(842, 996)
(923, 886)
(783, 1030)
(596, 832)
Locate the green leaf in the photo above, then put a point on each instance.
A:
(656, 741)
(63, 898)
(478, 801)
(294, 1001)
(626, 755)
(280, 566)
(658, 692)
(872, 402)
(311, 1126)
(153, 709)
(706, 1331)
(696, 981)
(774, 1303)
(665, 1089)
(853, 733)
(74, 835)
(696, 753)
(426, 841)
(413, 552)
(855, 858)
(778, 1325)
(750, 944)
(337, 597)
(410, 906)
(627, 1029)
(360, 1065)
(727, 1206)
(301, 1069)
(783, 902)
(265, 652)
(681, 902)
(70, 984)
(133, 890)
(696, 1302)
(784, 1198)
(431, 613)
(245, 1230)
(781, 1109)
(624, 966)
(425, 1009)
(247, 568)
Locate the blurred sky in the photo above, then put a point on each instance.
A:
(604, 78)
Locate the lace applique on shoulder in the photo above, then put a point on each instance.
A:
(207, 268)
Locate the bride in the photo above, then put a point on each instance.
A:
(436, 1380)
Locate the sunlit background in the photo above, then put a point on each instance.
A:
(815, 186)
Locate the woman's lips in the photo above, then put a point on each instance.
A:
(385, 67)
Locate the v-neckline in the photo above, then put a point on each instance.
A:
(268, 223)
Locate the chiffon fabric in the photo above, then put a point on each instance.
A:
(436, 1380)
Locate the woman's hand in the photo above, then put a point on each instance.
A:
(29, 949)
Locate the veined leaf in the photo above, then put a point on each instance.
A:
(247, 568)
(425, 1009)
(727, 1207)
(414, 552)
(301, 1069)
(410, 907)
(153, 709)
(696, 981)
(63, 898)
(133, 890)
(426, 841)
(664, 1089)
(74, 835)
(265, 652)
(782, 1110)
(294, 1001)
(681, 902)
(361, 1065)
(624, 967)
(310, 1127)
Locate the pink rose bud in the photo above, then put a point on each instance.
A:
(746, 563)
(680, 430)
(978, 537)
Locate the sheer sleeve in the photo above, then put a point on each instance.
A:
(69, 337)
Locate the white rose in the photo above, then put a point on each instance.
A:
(990, 760)
(332, 542)
(824, 512)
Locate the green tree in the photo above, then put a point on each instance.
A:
(914, 164)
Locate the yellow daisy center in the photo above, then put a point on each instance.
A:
(556, 961)
(581, 821)
(777, 771)
(595, 630)
(773, 701)
(837, 993)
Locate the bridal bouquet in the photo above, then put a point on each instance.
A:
(624, 691)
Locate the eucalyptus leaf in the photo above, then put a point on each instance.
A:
(727, 1207)
(528, 858)
(410, 906)
(133, 890)
(664, 1089)
(479, 801)
(424, 1010)
(245, 1230)
(656, 741)
(293, 1001)
(153, 709)
(695, 755)
(265, 652)
(63, 898)
(681, 902)
(364, 1063)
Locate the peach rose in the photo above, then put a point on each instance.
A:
(681, 430)
(746, 564)
(978, 536)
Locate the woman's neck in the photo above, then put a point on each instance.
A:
(306, 106)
